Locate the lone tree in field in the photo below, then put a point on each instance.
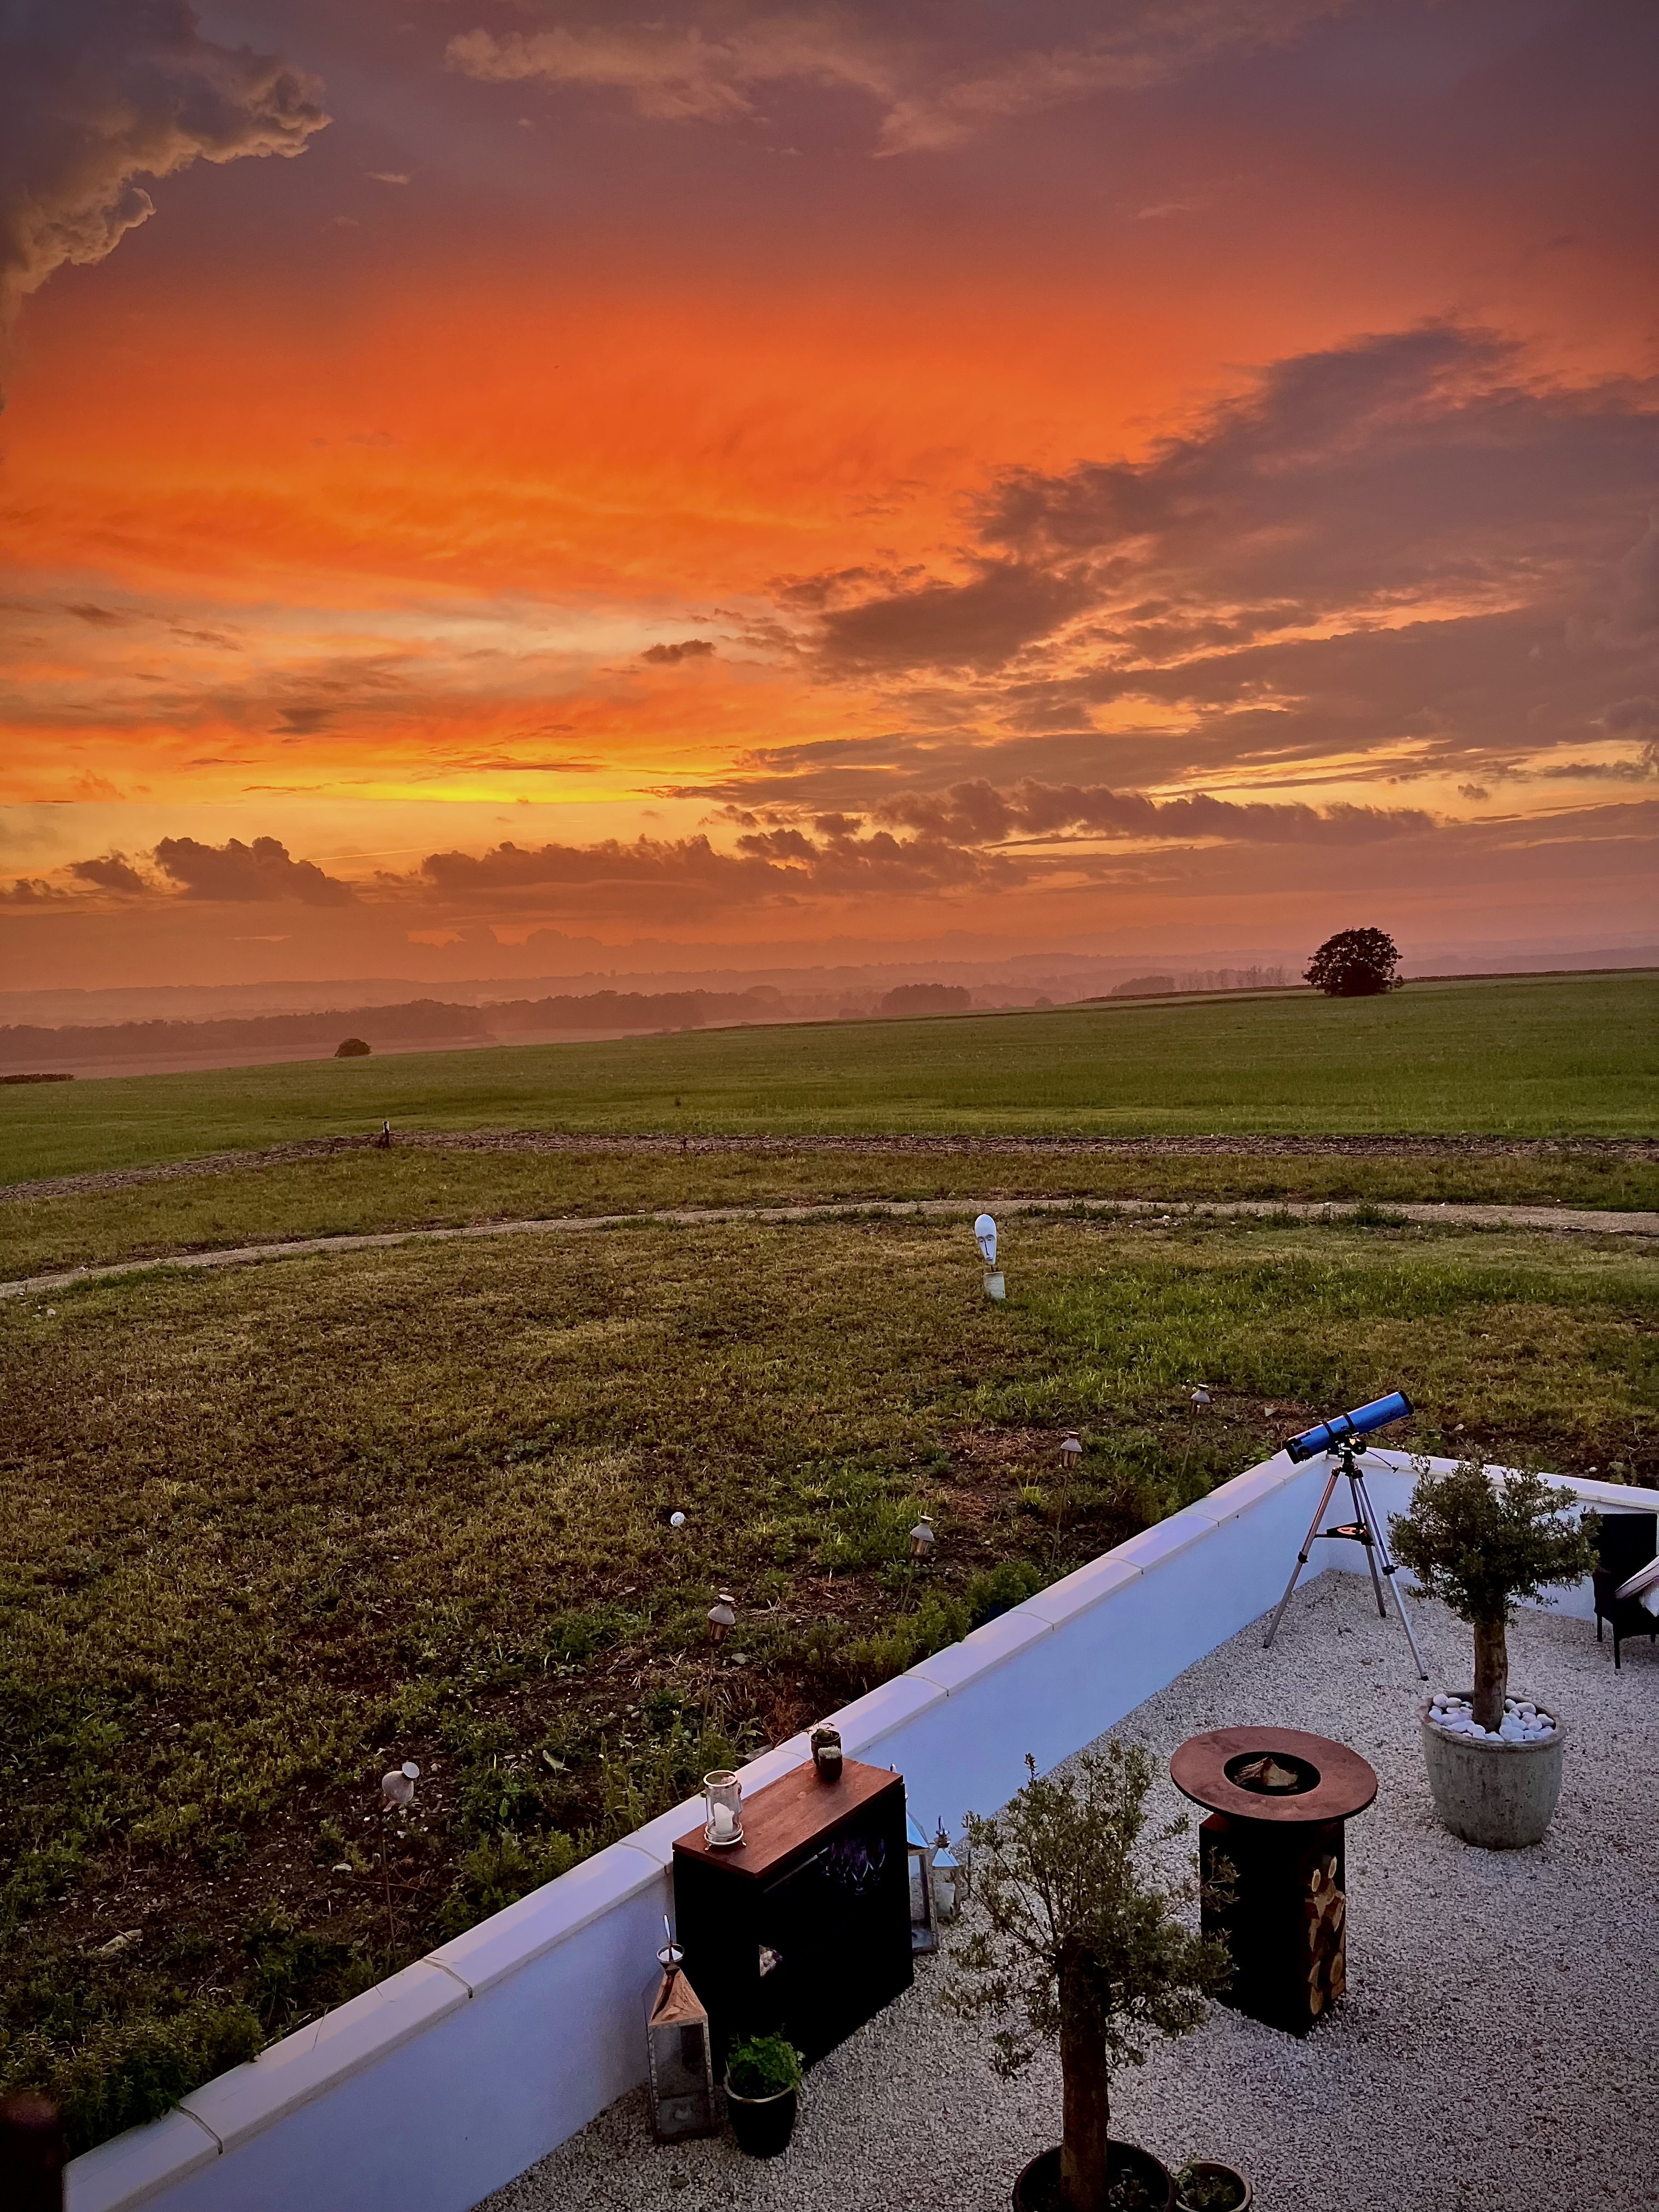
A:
(1482, 1544)
(1355, 963)
(1079, 1946)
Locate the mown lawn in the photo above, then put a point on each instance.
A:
(1541, 1056)
(262, 1535)
(412, 1187)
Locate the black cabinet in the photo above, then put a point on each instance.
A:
(804, 1928)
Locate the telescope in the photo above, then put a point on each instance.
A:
(1332, 1435)
(1337, 1438)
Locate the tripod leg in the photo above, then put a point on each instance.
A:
(1389, 1571)
(1301, 1562)
(1362, 1514)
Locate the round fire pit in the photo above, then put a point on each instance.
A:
(1277, 1799)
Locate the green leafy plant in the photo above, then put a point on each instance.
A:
(763, 2066)
(1079, 1946)
(1481, 1544)
(1202, 2186)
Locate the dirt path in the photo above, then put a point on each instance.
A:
(1250, 1147)
(1558, 1218)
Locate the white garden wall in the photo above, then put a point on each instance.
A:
(430, 2091)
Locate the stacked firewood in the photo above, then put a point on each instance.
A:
(1325, 1923)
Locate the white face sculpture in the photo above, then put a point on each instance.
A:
(985, 1236)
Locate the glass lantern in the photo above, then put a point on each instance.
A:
(924, 1918)
(722, 1827)
(677, 2045)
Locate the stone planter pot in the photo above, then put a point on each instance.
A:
(1207, 2169)
(1500, 1796)
(1037, 2189)
(762, 2125)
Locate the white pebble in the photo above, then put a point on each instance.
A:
(676, 1519)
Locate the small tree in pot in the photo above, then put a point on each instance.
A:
(1482, 1544)
(1077, 1946)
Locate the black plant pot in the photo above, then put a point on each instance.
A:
(1037, 2189)
(1208, 2169)
(762, 2125)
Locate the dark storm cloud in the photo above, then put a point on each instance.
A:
(687, 648)
(96, 94)
(976, 813)
(241, 874)
(1404, 546)
(980, 624)
(113, 871)
(689, 874)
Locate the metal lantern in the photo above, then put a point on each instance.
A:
(924, 1917)
(722, 1827)
(922, 1539)
(947, 1877)
(677, 2044)
(722, 1617)
(1070, 1450)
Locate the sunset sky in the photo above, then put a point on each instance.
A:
(498, 486)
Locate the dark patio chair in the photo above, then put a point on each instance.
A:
(1626, 1541)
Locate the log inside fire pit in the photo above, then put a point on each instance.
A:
(1277, 1801)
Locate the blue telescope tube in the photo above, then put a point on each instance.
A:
(1331, 1434)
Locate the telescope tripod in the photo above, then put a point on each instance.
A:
(1364, 1528)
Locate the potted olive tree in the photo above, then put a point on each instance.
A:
(1482, 1543)
(1077, 1945)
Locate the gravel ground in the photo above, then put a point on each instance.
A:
(1495, 2048)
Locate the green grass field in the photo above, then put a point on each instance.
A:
(367, 1190)
(265, 1533)
(1540, 1056)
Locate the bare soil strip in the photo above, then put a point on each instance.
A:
(1149, 1210)
(942, 1146)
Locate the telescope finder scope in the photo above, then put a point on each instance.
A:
(1332, 1435)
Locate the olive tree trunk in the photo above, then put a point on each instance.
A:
(1084, 2094)
(1492, 1672)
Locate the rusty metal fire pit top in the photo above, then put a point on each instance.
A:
(1273, 1774)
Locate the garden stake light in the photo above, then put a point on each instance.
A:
(722, 1617)
(396, 1795)
(922, 1539)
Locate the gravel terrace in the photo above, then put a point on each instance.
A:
(1493, 2050)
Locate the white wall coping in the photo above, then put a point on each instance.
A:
(317, 2060)
(131, 2168)
(289, 2073)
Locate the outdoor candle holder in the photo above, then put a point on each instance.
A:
(678, 2048)
(924, 1919)
(722, 1792)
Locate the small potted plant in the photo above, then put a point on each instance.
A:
(1482, 1543)
(1205, 2185)
(1077, 1945)
(762, 2076)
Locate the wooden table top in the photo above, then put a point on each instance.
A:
(795, 1810)
(1346, 1784)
